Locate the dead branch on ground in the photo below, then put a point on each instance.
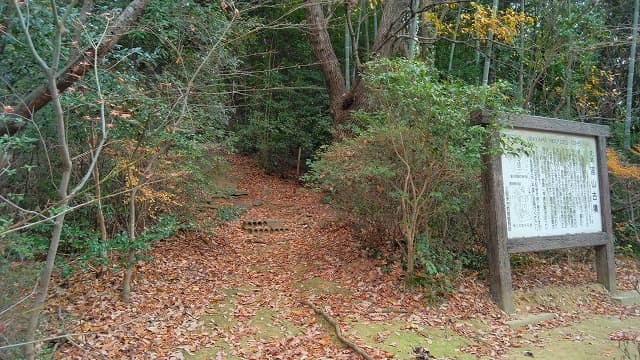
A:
(336, 326)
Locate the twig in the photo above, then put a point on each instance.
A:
(389, 311)
(102, 356)
(16, 206)
(2, 312)
(336, 326)
(38, 341)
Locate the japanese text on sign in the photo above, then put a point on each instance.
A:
(553, 189)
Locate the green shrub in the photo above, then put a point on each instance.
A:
(439, 267)
(228, 213)
(282, 125)
(122, 245)
(411, 176)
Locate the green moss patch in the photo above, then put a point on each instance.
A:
(588, 339)
(400, 338)
(269, 326)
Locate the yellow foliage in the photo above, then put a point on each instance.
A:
(621, 169)
(148, 196)
(433, 19)
(591, 92)
(483, 20)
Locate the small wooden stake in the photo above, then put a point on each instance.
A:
(298, 164)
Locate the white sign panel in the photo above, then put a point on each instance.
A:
(553, 188)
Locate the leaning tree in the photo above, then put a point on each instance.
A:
(390, 40)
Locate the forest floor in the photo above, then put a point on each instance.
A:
(224, 292)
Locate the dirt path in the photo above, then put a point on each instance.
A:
(270, 273)
(234, 294)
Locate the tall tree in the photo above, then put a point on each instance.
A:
(58, 77)
(389, 41)
(413, 28)
(521, 58)
(329, 64)
(487, 56)
(632, 62)
(64, 188)
(453, 43)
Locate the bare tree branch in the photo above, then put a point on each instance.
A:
(17, 120)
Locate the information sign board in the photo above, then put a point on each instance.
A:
(551, 188)
(552, 195)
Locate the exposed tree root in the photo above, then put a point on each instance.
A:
(336, 326)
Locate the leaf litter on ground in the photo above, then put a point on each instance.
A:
(192, 273)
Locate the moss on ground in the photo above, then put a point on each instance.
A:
(400, 338)
(588, 339)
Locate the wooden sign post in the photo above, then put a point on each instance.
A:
(553, 195)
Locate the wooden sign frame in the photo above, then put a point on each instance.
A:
(499, 246)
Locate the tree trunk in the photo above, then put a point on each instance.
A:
(131, 256)
(102, 227)
(389, 39)
(411, 253)
(347, 56)
(455, 36)
(413, 28)
(357, 65)
(477, 61)
(375, 22)
(565, 100)
(521, 58)
(388, 42)
(326, 56)
(489, 54)
(363, 18)
(535, 81)
(73, 71)
(366, 27)
(128, 274)
(64, 193)
(63, 188)
(42, 286)
(632, 62)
